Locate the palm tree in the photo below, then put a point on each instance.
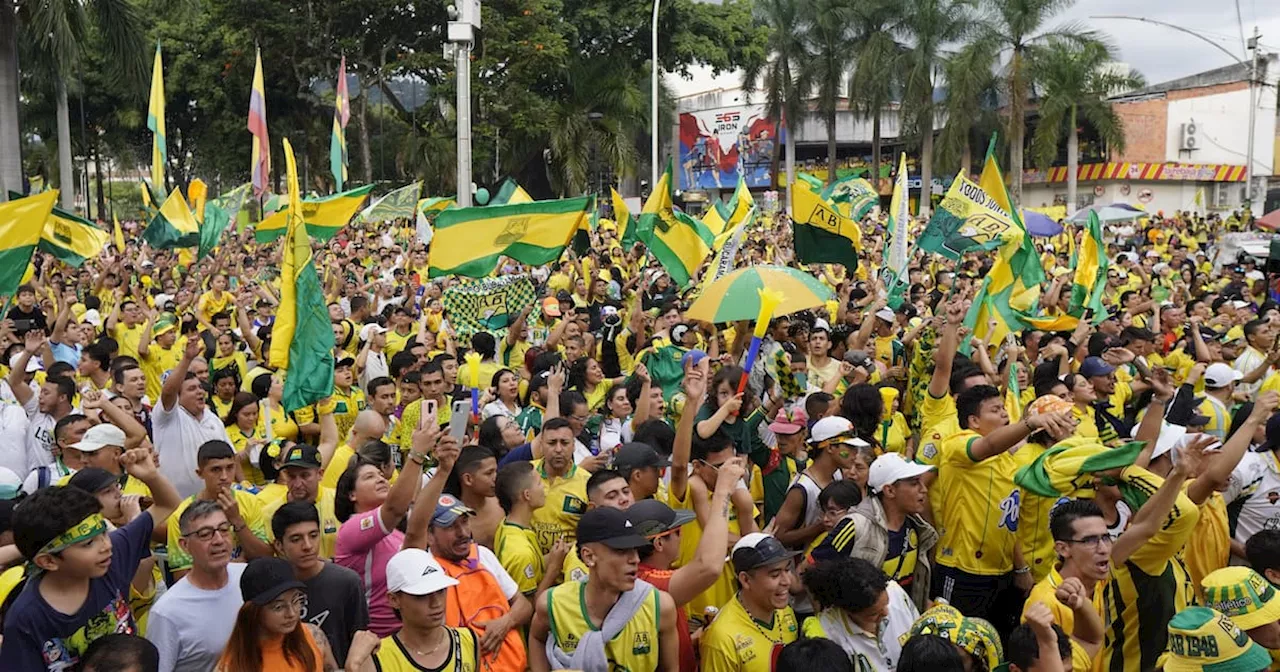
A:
(875, 75)
(778, 77)
(970, 78)
(929, 25)
(1074, 81)
(57, 30)
(1016, 26)
(602, 109)
(826, 26)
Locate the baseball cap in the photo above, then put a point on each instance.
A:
(631, 456)
(164, 323)
(1220, 375)
(414, 571)
(1217, 644)
(551, 306)
(1095, 366)
(788, 423)
(368, 330)
(759, 550)
(610, 527)
(886, 314)
(693, 357)
(1242, 594)
(1235, 333)
(891, 468)
(92, 480)
(92, 316)
(264, 579)
(448, 510)
(652, 517)
(99, 437)
(302, 455)
(345, 361)
(820, 325)
(834, 429)
(34, 364)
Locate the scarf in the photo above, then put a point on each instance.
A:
(590, 655)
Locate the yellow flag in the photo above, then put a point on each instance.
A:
(117, 233)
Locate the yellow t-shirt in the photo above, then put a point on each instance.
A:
(737, 642)
(938, 421)
(893, 434)
(635, 648)
(282, 425)
(212, 302)
(346, 406)
(328, 521)
(158, 363)
(1045, 591)
(517, 549)
(566, 502)
(690, 535)
(1209, 548)
(979, 508)
(127, 338)
(337, 464)
(396, 342)
(240, 441)
(463, 657)
(249, 511)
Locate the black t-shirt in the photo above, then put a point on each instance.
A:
(36, 315)
(336, 605)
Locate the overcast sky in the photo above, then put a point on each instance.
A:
(1159, 53)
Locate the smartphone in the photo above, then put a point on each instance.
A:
(22, 326)
(461, 410)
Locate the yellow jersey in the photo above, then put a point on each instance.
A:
(250, 512)
(346, 406)
(737, 642)
(220, 408)
(979, 508)
(463, 654)
(937, 422)
(517, 549)
(158, 363)
(396, 342)
(566, 502)
(726, 585)
(328, 521)
(337, 464)
(402, 433)
(1209, 548)
(635, 649)
(240, 441)
(127, 338)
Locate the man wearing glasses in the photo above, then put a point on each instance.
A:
(191, 623)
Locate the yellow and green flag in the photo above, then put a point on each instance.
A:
(1090, 280)
(396, 204)
(302, 338)
(218, 215)
(468, 241)
(853, 196)
(72, 240)
(679, 242)
(155, 122)
(174, 225)
(625, 222)
(338, 141)
(821, 233)
(21, 222)
(510, 193)
(117, 233)
(325, 216)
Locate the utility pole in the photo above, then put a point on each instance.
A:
(464, 20)
(654, 74)
(1253, 114)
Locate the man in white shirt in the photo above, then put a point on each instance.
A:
(372, 360)
(192, 621)
(13, 438)
(863, 611)
(182, 422)
(44, 409)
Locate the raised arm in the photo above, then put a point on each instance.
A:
(1163, 524)
(695, 389)
(1218, 471)
(165, 499)
(134, 432)
(696, 577)
(424, 507)
(426, 439)
(1008, 436)
(940, 383)
(173, 384)
(32, 342)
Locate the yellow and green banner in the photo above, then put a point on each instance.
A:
(468, 241)
(174, 225)
(679, 242)
(72, 240)
(21, 222)
(325, 216)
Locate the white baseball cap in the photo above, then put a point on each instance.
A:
(891, 468)
(886, 314)
(368, 330)
(34, 364)
(414, 571)
(99, 437)
(1220, 375)
(832, 427)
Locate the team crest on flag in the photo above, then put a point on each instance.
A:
(491, 304)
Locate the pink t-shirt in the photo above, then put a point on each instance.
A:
(366, 547)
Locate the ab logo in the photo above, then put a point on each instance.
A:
(574, 505)
(641, 643)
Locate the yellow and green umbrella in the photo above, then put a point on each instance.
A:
(736, 296)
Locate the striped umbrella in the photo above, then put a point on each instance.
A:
(736, 296)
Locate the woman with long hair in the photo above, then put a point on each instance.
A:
(225, 383)
(506, 390)
(501, 435)
(227, 355)
(586, 376)
(245, 434)
(270, 389)
(371, 512)
(269, 635)
(620, 419)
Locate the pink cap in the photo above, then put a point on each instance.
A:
(789, 423)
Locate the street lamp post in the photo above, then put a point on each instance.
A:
(1253, 99)
(464, 19)
(655, 73)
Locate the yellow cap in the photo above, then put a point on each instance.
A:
(1242, 594)
(1204, 640)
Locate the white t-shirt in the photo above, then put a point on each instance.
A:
(40, 439)
(13, 439)
(615, 432)
(1256, 480)
(490, 562)
(178, 436)
(190, 626)
(375, 366)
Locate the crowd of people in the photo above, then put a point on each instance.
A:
(888, 490)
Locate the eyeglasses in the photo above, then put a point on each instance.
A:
(580, 418)
(1092, 541)
(206, 533)
(713, 466)
(281, 606)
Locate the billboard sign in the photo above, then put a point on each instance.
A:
(716, 146)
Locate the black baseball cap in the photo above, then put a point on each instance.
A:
(93, 480)
(302, 455)
(265, 578)
(759, 550)
(631, 456)
(345, 361)
(610, 527)
(652, 517)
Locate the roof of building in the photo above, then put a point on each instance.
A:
(1227, 74)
